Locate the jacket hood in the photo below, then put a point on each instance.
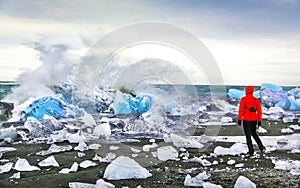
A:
(249, 89)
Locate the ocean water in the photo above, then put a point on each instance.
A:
(202, 91)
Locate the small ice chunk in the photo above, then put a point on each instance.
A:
(204, 162)
(94, 146)
(295, 127)
(231, 162)
(107, 159)
(7, 149)
(165, 153)
(50, 161)
(194, 182)
(203, 175)
(240, 165)
(148, 147)
(73, 168)
(6, 168)
(134, 150)
(87, 163)
(211, 185)
(235, 149)
(113, 148)
(182, 142)
(55, 149)
(287, 131)
(226, 119)
(82, 146)
(295, 172)
(215, 162)
(103, 130)
(23, 165)
(103, 184)
(80, 154)
(261, 130)
(81, 185)
(243, 182)
(75, 138)
(125, 168)
(152, 140)
(16, 175)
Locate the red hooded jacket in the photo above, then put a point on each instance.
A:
(246, 103)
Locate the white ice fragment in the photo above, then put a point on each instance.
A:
(295, 172)
(286, 164)
(152, 140)
(211, 185)
(103, 130)
(113, 148)
(55, 149)
(94, 146)
(203, 175)
(80, 154)
(73, 168)
(215, 162)
(226, 119)
(295, 127)
(148, 147)
(193, 182)
(103, 184)
(231, 162)
(107, 159)
(82, 146)
(23, 165)
(87, 163)
(50, 161)
(88, 119)
(81, 185)
(261, 130)
(165, 153)
(240, 165)
(287, 131)
(75, 138)
(235, 149)
(203, 162)
(16, 175)
(180, 141)
(7, 149)
(6, 168)
(125, 168)
(134, 150)
(243, 182)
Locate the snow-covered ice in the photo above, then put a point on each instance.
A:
(125, 168)
(165, 153)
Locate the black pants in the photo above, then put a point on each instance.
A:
(250, 130)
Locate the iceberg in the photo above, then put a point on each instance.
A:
(127, 104)
(99, 184)
(125, 168)
(55, 106)
(87, 163)
(193, 182)
(73, 168)
(182, 142)
(270, 86)
(6, 168)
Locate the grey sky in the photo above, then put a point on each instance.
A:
(252, 41)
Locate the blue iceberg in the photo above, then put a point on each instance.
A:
(54, 106)
(127, 104)
(238, 93)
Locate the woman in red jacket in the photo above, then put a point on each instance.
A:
(251, 114)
